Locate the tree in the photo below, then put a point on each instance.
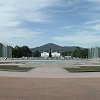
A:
(67, 53)
(50, 53)
(26, 52)
(19, 52)
(36, 54)
(79, 52)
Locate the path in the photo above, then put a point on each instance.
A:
(49, 70)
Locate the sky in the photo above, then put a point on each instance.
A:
(37, 22)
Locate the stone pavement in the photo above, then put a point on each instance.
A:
(49, 89)
(49, 82)
(49, 70)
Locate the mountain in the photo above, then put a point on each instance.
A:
(54, 47)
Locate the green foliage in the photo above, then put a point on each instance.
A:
(36, 54)
(21, 52)
(15, 68)
(67, 53)
(84, 69)
(80, 53)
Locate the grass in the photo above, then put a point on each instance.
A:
(15, 68)
(84, 69)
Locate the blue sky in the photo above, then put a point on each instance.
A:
(37, 22)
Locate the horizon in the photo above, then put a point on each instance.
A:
(62, 22)
(56, 44)
(43, 45)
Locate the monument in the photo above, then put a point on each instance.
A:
(50, 53)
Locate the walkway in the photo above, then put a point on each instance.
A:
(50, 70)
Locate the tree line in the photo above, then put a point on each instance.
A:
(78, 53)
(24, 51)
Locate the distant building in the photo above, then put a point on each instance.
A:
(94, 53)
(9, 52)
(68, 57)
(54, 54)
(1, 50)
(44, 54)
(5, 51)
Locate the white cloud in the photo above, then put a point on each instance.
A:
(89, 31)
(93, 9)
(64, 11)
(19, 36)
(87, 34)
(14, 12)
(83, 38)
(92, 25)
(19, 33)
(69, 6)
(25, 33)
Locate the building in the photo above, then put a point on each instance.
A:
(54, 54)
(5, 51)
(94, 53)
(45, 55)
(68, 57)
(1, 49)
(9, 52)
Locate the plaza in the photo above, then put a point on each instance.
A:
(49, 88)
(50, 68)
(49, 81)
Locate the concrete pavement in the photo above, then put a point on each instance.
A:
(49, 89)
(51, 70)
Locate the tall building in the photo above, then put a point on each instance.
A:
(9, 54)
(5, 51)
(1, 49)
(94, 53)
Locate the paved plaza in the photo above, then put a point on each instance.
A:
(50, 69)
(49, 89)
(49, 81)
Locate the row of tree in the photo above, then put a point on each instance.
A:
(24, 51)
(79, 52)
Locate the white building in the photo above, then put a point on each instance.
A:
(54, 54)
(44, 54)
(68, 57)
